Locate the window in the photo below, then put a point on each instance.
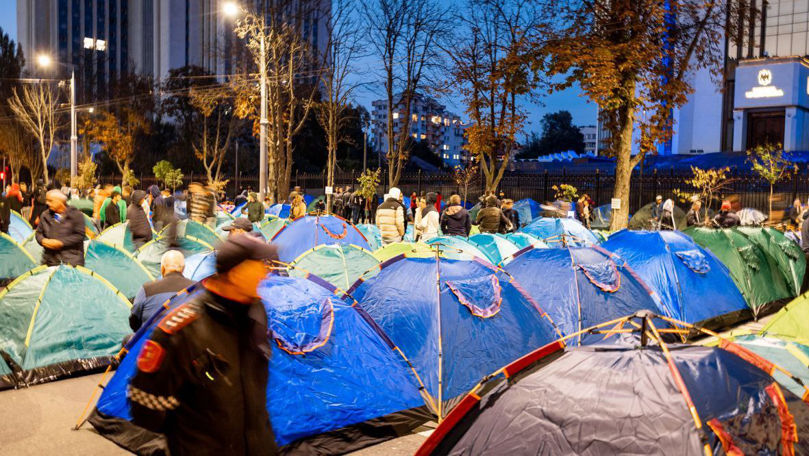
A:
(446, 146)
(395, 115)
(423, 136)
(415, 117)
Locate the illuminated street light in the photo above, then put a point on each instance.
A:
(231, 9)
(44, 60)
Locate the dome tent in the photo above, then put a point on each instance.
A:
(641, 220)
(118, 235)
(32, 246)
(493, 246)
(196, 230)
(336, 383)
(372, 235)
(279, 210)
(454, 320)
(560, 232)
(310, 231)
(581, 287)
(200, 266)
(14, 259)
(627, 399)
(789, 259)
(152, 252)
(271, 226)
(60, 320)
(755, 273)
(459, 244)
(523, 240)
(413, 249)
(688, 279)
(528, 210)
(792, 322)
(18, 228)
(90, 228)
(118, 266)
(340, 264)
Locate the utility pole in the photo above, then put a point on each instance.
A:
(364, 150)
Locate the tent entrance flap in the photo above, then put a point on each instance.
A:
(305, 331)
(604, 275)
(484, 290)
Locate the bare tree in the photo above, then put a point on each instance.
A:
(491, 64)
(36, 108)
(292, 72)
(344, 41)
(405, 35)
(218, 124)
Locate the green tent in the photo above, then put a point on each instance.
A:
(83, 204)
(18, 227)
(60, 320)
(791, 356)
(32, 247)
(641, 220)
(196, 230)
(119, 236)
(340, 265)
(14, 259)
(788, 256)
(791, 322)
(90, 228)
(123, 270)
(372, 235)
(755, 273)
(272, 225)
(152, 252)
(312, 206)
(495, 247)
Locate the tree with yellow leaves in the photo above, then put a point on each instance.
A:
(116, 134)
(769, 162)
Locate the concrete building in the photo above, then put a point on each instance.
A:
(764, 94)
(443, 131)
(595, 139)
(103, 38)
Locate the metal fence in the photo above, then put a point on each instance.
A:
(746, 189)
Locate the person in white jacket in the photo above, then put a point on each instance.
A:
(429, 223)
(390, 218)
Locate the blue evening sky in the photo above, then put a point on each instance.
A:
(583, 111)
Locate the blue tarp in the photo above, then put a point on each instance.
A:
(310, 231)
(688, 279)
(559, 232)
(468, 311)
(581, 287)
(18, 228)
(528, 210)
(348, 374)
(279, 210)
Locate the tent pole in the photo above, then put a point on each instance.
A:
(83, 417)
(440, 343)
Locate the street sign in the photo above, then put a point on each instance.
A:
(615, 203)
(329, 190)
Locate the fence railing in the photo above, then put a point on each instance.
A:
(748, 190)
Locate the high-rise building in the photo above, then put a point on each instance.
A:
(430, 122)
(763, 96)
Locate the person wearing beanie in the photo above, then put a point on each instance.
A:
(390, 218)
(138, 221)
(121, 206)
(726, 218)
(201, 377)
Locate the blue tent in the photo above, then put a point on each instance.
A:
(459, 244)
(523, 240)
(331, 369)
(18, 228)
(237, 210)
(310, 231)
(307, 199)
(200, 266)
(279, 210)
(528, 210)
(581, 287)
(456, 321)
(688, 279)
(561, 232)
(494, 246)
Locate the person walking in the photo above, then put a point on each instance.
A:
(491, 219)
(254, 208)
(390, 218)
(694, 217)
(152, 295)
(455, 220)
(202, 375)
(726, 218)
(428, 223)
(511, 214)
(198, 203)
(61, 232)
(138, 221)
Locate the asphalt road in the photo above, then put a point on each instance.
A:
(39, 421)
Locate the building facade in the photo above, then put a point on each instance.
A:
(596, 139)
(430, 122)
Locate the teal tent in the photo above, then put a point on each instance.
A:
(90, 228)
(119, 236)
(31, 245)
(60, 320)
(372, 235)
(460, 244)
(523, 240)
(115, 264)
(18, 227)
(494, 246)
(14, 259)
(339, 264)
(272, 225)
(196, 230)
(152, 252)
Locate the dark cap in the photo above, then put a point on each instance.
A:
(235, 250)
(239, 224)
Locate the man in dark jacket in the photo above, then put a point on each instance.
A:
(255, 210)
(152, 295)
(726, 218)
(38, 201)
(61, 232)
(138, 222)
(455, 220)
(5, 213)
(201, 377)
(491, 218)
(511, 214)
(694, 216)
(357, 206)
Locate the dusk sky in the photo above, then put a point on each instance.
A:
(583, 111)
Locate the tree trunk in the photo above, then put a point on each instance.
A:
(769, 214)
(624, 161)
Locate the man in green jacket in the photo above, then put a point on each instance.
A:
(102, 216)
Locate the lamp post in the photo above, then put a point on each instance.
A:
(45, 61)
(232, 9)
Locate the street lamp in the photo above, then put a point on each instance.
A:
(232, 9)
(45, 61)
